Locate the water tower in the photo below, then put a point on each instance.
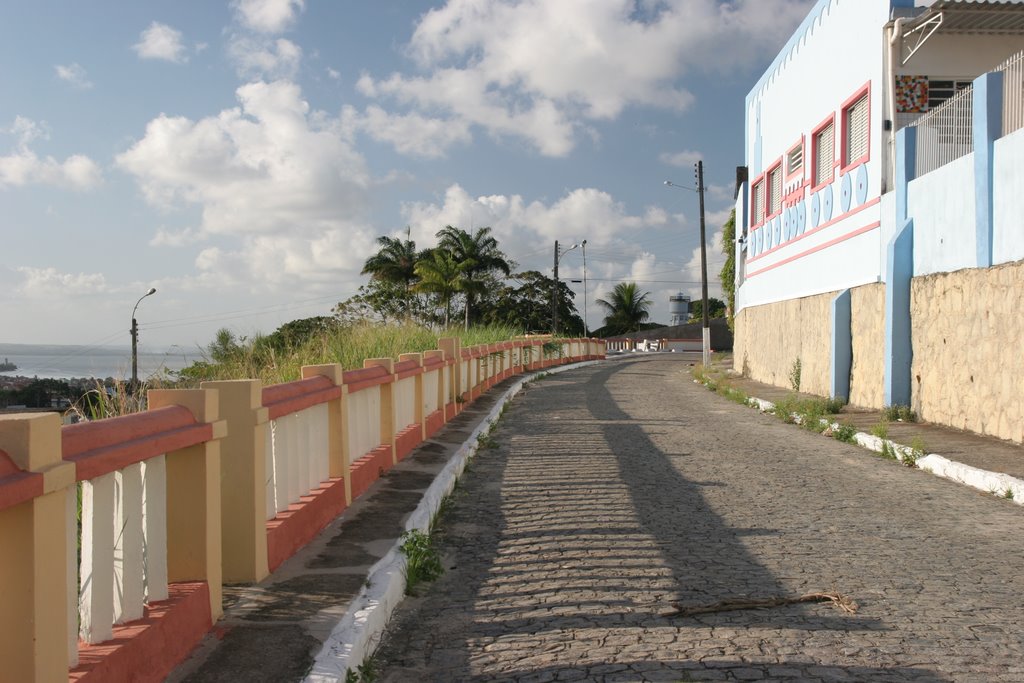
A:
(678, 309)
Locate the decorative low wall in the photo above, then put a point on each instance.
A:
(770, 338)
(966, 330)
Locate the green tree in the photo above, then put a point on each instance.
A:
(477, 256)
(394, 263)
(297, 332)
(716, 309)
(627, 308)
(727, 275)
(442, 275)
(528, 306)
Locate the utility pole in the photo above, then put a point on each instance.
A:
(586, 325)
(554, 296)
(706, 346)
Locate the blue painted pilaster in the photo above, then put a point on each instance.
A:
(988, 126)
(899, 270)
(842, 346)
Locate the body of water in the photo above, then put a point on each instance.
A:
(66, 361)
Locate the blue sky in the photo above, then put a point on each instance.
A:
(242, 156)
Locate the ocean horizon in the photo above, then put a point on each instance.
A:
(68, 361)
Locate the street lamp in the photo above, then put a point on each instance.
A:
(586, 325)
(706, 342)
(135, 339)
(559, 253)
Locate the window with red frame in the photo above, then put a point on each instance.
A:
(855, 131)
(757, 203)
(823, 146)
(775, 190)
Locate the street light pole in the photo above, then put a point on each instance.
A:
(135, 339)
(706, 331)
(554, 286)
(586, 325)
(706, 346)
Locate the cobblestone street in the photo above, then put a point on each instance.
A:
(618, 489)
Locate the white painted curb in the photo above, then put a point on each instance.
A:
(356, 636)
(996, 483)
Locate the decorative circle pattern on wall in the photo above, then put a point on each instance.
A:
(816, 209)
(846, 193)
(862, 183)
(801, 217)
(826, 203)
(777, 229)
(785, 225)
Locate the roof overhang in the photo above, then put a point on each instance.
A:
(961, 17)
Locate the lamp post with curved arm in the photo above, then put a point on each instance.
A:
(706, 336)
(135, 339)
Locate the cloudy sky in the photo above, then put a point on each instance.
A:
(242, 156)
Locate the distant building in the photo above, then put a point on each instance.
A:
(678, 309)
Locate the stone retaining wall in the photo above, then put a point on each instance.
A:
(967, 328)
(867, 325)
(770, 338)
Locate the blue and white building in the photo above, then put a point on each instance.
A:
(880, 116)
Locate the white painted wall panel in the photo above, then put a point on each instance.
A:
(942, 206)
(1008, 199)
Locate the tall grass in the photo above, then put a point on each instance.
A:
(348, 345)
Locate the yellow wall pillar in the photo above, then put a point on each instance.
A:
(243, 479)
(34, 618)
(453, 351)
(337, 436)
(194, 496)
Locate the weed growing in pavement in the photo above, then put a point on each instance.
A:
(845, 432)
(898, 413)
(811, 413)
(364, 673)
(422, 561)
(794, 375)
(734, 395)
(881, 430)
(485, 440)
(834, 405)
(1008, 493)
(785, 407)
(914, 453)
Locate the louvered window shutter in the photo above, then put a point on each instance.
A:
(775, 191)
(857, 130)
(824, 154)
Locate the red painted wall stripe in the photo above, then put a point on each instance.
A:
(843, 238)
(90, 436)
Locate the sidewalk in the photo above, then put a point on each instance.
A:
(317, 614)
(984, 453)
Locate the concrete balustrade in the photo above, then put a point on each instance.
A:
(221, 483)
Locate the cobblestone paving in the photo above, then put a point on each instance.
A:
(618, 489)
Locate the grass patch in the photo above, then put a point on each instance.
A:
(845, 432)
(364, 673)
(914, 453)
(422, 561)
(1008, 493)
(898, 413)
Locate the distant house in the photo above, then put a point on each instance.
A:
(882, 145)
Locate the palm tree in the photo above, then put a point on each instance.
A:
(626, 307)
(394, 262)
(478, 256)
(440, 274)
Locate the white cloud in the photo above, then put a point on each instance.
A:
(24, 167)
(333, 74)
(521, 227)
(409, 134)
(281, 181)
(161, 41)
(44, 283)
(74, 74)
(268, 16)
(540, 70)
(176, 238)
(264, 58)
(685, 159)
